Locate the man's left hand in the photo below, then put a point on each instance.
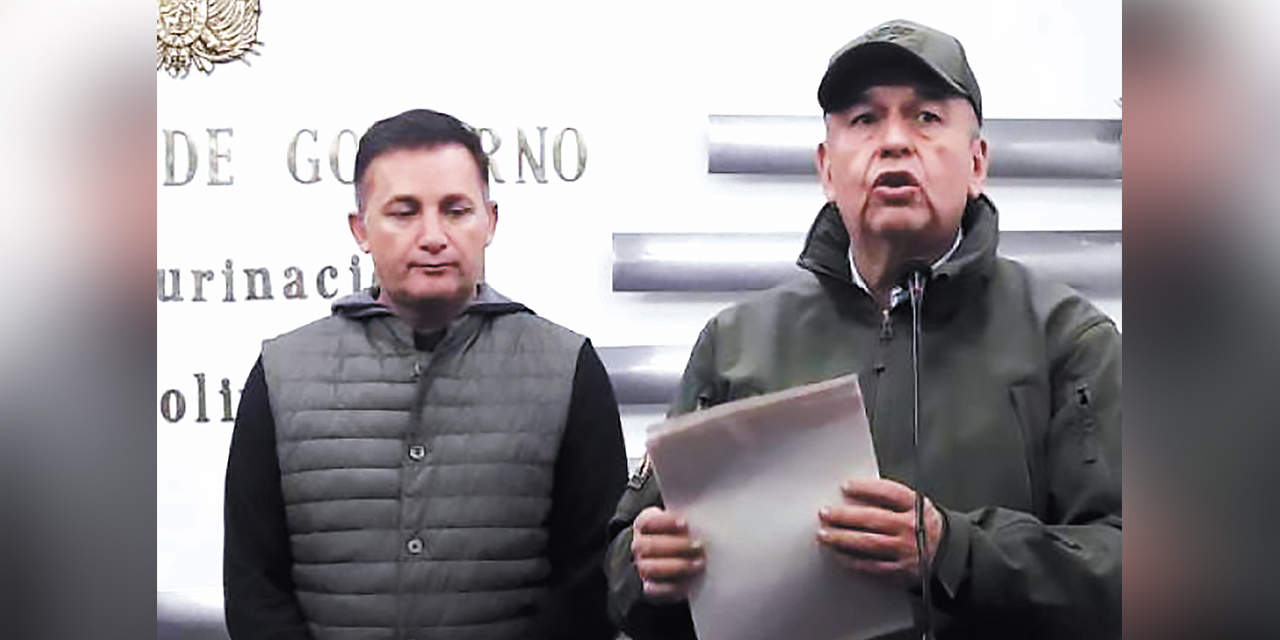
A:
(874, 530)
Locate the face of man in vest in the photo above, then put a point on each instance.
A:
(901, 162)
(426, 218)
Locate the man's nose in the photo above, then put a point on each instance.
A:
(431, 234)
(895, 138)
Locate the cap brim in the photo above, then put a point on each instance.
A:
(870, 64)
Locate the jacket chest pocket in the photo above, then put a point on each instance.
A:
(1031, 413)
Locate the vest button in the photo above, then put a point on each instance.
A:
(417, 452)
(415, 546)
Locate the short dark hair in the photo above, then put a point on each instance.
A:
(417, 129)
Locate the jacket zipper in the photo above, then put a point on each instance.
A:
(886, 334)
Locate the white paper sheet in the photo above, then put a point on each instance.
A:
(750, 477)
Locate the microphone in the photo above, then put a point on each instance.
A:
(914, 274)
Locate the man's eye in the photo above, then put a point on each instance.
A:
(929, 116)
(862, 119)
(459, 211)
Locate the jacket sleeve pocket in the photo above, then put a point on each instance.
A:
(1085, 423)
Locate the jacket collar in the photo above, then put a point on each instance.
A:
(826, 254)
(487, 303)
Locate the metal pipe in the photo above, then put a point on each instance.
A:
(644, 374)
(1089, 261)
(1019, 148)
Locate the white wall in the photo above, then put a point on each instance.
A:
(638, 80)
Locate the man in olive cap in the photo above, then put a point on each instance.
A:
(1016, 459)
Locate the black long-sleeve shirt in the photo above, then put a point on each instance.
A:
(590, 474)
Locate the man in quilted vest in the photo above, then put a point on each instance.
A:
(432, 460)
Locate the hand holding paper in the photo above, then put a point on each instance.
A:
(666, 558)
(874, 529)
(749, 477)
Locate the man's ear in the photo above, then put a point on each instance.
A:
(355, 220)
(492, 207)
(823, 162)
(981, 163)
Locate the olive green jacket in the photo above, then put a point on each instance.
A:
(1020, 428)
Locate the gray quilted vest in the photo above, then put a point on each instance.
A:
(417, 484)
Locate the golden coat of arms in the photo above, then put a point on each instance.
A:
(201, 32)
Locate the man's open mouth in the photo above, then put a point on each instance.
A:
(896, 179)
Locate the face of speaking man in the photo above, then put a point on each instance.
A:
(900, 163)
(426, 218)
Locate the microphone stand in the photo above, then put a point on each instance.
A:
(915, 287)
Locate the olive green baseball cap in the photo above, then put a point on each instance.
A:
(897, 45)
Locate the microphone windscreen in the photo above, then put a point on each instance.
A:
(910, 269)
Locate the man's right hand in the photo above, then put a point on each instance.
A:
(666, 558)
